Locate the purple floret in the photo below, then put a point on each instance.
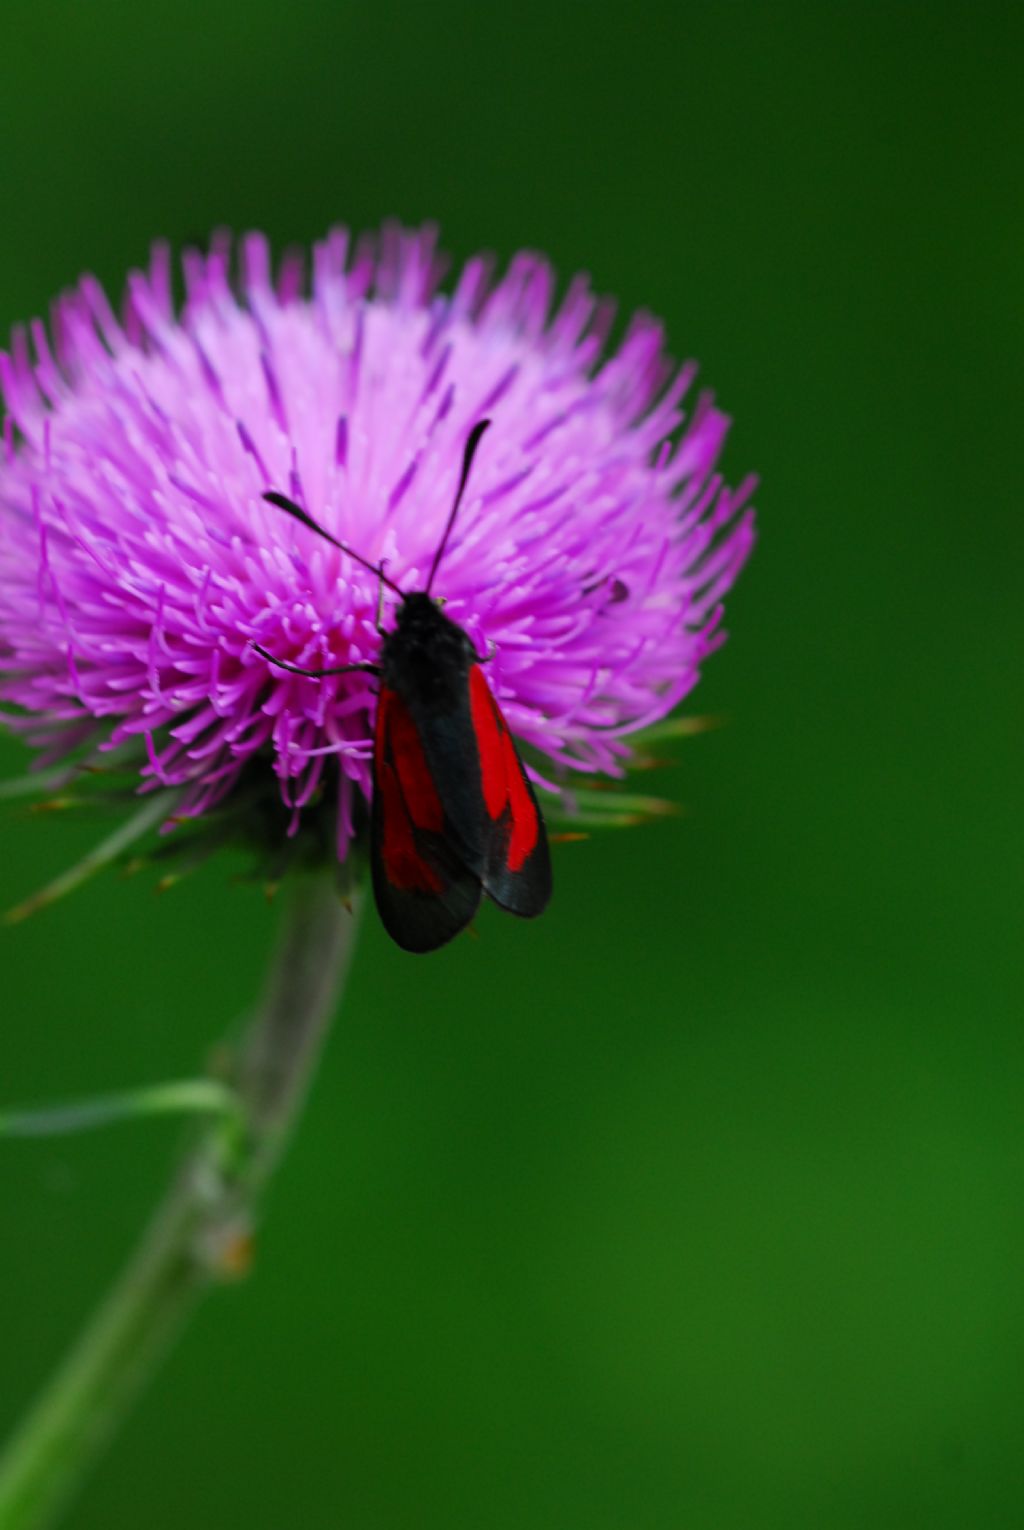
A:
(139, 562)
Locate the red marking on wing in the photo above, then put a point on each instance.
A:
(525, 826)
(488, 726)
(405, 749)
(408, 797)
(504, 785)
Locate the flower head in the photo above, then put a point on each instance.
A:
(140, 562)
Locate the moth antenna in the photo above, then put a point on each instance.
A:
(282, 502)
(469, 452)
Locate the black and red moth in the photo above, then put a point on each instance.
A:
(454, 815)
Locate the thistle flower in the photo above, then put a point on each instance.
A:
(140, 562)
(198, 506)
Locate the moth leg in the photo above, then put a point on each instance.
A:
(316, 674)
(380, 597)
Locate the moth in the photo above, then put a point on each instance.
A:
(454, 815)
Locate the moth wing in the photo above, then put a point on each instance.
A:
(517, 864)
(425, 893)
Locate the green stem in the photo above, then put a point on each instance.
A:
(149, 815)
(186, 1096)
(201, 1231)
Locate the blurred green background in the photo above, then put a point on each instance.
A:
(700, 1203)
